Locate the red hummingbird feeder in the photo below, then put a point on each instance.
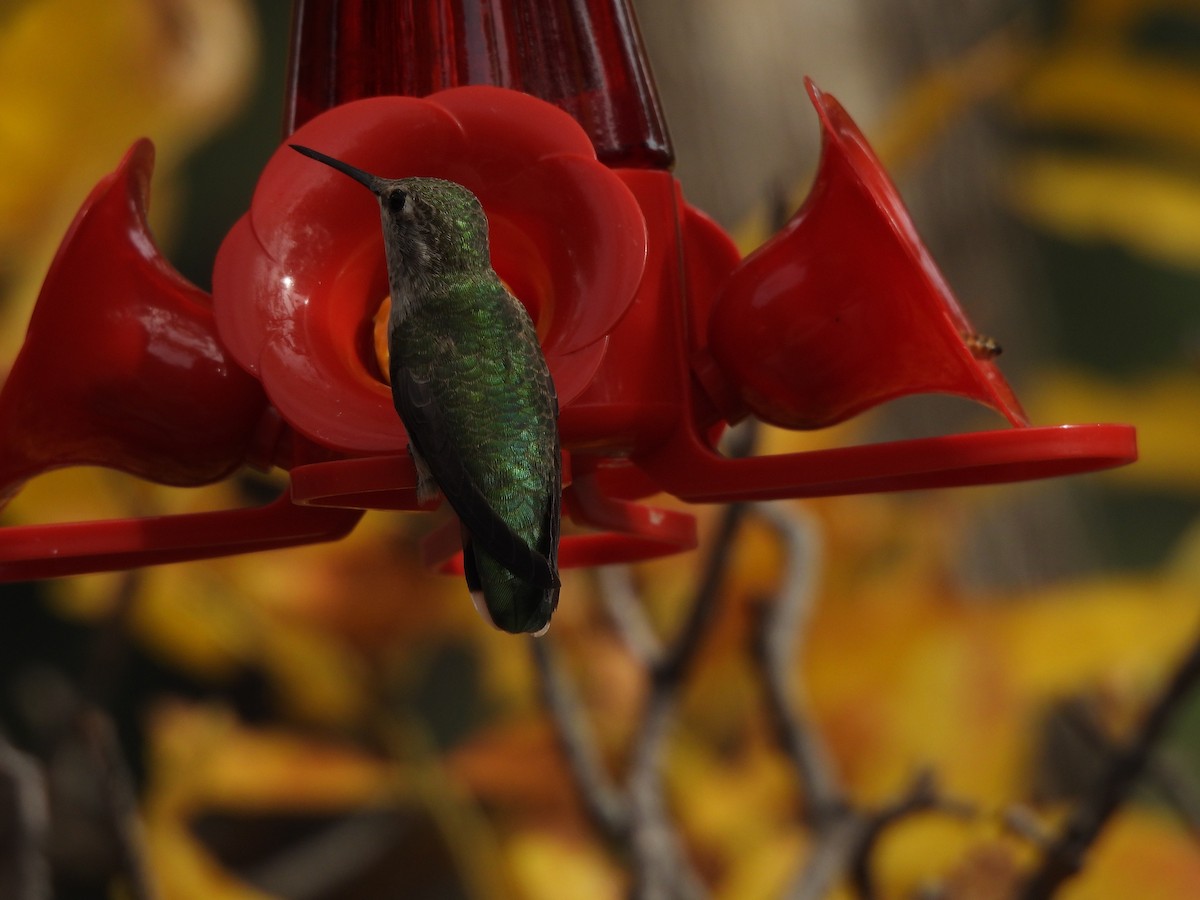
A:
(657, 333)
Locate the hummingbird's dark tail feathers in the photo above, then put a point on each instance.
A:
(504, 600)
(422, 415)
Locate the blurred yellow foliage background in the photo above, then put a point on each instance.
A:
(343, 700)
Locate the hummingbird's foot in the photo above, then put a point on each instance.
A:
(427, 488)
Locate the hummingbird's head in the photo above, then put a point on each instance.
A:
(432, 227)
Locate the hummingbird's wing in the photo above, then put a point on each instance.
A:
(426, 425)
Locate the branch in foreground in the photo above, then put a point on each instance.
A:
(24, 826)
(619, 595)
(120, 800)
(1167, 775)
(1065, 857)
(778, 638)
(844, 838)
(920, 796)
(836, 831)
(635, 817)
(831, 856)
(660, 863)
(675, 664)
(604, 804)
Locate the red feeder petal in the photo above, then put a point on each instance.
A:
(298, 280)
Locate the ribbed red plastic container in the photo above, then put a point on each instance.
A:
(584, 56)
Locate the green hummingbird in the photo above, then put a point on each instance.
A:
(474, 393)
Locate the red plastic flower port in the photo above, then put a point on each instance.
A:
(99, 382)
(845, 306)
(121, 367)
(842, 310)
(301, 276)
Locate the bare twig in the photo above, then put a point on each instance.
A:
(660, 867)
(1173, 781)
(654, 848)
(672, 668)
(82, 725)
(24, 826)
(844, 837)
(779, 636)
(1021, 821)
(1178, 787)
(1065, 857)
(660, 864)
(120, 801)
(108, 651)
(676, 661)
(635, 816)
(604, 804)
(321, 865)
(836, 832)
(831, 855)
(920, 796)
(620, 600)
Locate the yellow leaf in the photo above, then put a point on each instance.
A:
(928, 849)
(1163, 408)
(767, 868)
(201, 759)
(924, 676)
(201, 755)
(1099, 86)
(1150, 210)
(79, 83)
(1123, 629)
(712, 792)
(550, 866)
(1140, 854)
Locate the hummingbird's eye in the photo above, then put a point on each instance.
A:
(396, 201)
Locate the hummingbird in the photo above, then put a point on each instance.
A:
(474, 392)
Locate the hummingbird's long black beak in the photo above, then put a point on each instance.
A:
(371, 182)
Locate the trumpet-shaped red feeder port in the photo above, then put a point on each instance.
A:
(656, 332)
